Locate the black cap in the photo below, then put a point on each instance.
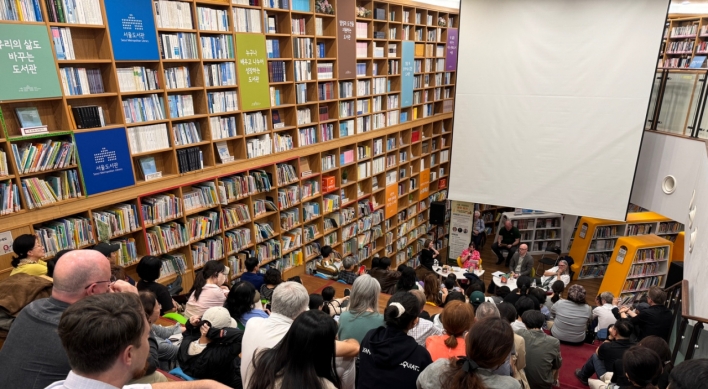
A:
(106, 248)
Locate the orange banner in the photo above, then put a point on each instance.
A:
(424, 185)
(391, 200)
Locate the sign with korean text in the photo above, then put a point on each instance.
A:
(132, 28)
(391, 200)
(346, 39)
(451, 49)
(105, 160)
(461, 221)
(407, 54)
(27, 63)
(252, 69)
(424, 185)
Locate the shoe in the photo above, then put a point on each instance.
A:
(581, 378)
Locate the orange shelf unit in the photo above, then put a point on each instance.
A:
(593, 243)
(637, 263)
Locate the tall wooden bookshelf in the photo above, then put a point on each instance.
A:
(540, 231)
(684, 39)
(637, 263)
(595, 239)
(406, 142)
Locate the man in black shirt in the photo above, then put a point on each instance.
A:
(507, 239)
(655, 320)
(604, 358)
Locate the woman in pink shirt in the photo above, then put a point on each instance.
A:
(457, 319)
(208, 290)
(470, 256)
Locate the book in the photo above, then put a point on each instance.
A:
(224, 153)
(697, 62)
(276, 119)
(148, 166)
(28, 117)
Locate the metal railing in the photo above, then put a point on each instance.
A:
(685, 325)
(678, 101)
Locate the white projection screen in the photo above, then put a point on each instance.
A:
(551, 100)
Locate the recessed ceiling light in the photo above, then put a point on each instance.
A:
(685, 2)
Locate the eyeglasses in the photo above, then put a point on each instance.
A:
(112, 280)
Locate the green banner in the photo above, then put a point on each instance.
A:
(27, 63)
(252, 71)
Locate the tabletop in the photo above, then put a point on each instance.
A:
(458, 271)
(510, 282)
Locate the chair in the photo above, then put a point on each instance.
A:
(549, 257)
(320, 275)
(342, 281)
(459, 261)
(177, 371)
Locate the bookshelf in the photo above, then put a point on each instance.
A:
(595, 239)
(195, 101)
(540, 231)
(685, 40)
(491, 214)
(637, 263)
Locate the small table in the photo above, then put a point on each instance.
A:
(458, 271)
(510, 282)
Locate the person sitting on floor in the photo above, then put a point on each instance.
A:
(211, 347)
(348, 271)
(148, 270)
(407, 280)
(424, 327)
(542, 352)
(386, 277)
(208, 289)
(316, 302)
(571, 316)
(457, 319)
(642, 366)
(252, 274)
(691, 374)
(655, 320)
(602, 315)
(603, 360)
(523, 286)
(29, 251)
(434, 294)
(241, 303)
(499, 294)
(654, 343)
(516, 361)
(333, 306)
(271, 280)
(522, 305)
(363, 313)
(557, 288)
(163, 354)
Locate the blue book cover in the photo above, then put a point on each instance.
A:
(301, 5)
(132, 28)
(697, 62)
(407, 58)
(104, 158)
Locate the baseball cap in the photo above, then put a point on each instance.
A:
(219, 317)
(476, 298)
(106, 248)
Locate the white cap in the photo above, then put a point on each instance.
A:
(219, 317)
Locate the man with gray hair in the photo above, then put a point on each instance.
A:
(603, 312)
(32, 356)
(477, 229)
(484, 310)
(348, 271)
(290, 299)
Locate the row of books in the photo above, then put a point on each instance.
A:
(255, 122)
(179, 45)
(259, 146)
(203, 225)
(9, 197)
(237, 239)
(50, 189)
(288, 196)
(165, 238)
(177, 77)
(148, 138)
(201, 196)
(325, 70)
(220, 74)
(173, 14)
(139, 78)
(160, 208)
(276, 71)
(173, 264)
(118, 220)
(222, 101)
(640, 284)
(235, 215)
(63, 44)
(89, 116)
(651, 255)
(67, 233)
(38, 157)
(212, 19)
(283, 141)
(190, 159)
(207, 250)
(187, 133)
(74, 11)
(143, 109)
(180, 105)
(247, 20)
(81, 81)
(217, 47)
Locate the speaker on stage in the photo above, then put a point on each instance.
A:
(437, 213)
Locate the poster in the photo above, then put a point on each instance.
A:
(252, 69)
(27, 63)
(451, 50)
(132, 28)
(6, 242)
(391, 208)
(105, 160)
(461, 215)
(407, 59)
(346, 39)
(424, 184)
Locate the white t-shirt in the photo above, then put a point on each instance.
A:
(604, 316)
(261, 333)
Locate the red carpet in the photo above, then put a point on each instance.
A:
(573, 358)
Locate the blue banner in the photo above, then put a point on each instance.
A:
(132, 27)
(407, 53)
(105, 160)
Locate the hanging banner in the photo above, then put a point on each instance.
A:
(346, 39)
(461, 215)
(132, 27)
(451, 50)
(252, 69)
(391, 201)
(105, 160)
(407, 53)
(27, 63)
(424, 184)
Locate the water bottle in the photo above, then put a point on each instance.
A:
(435, 264)
(533, 284)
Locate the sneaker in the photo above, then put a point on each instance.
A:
(580, 377)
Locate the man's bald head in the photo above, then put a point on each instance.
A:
(523, 247)
(75, 271)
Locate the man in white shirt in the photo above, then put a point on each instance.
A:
(560, 272)
(424, 328)
(106, 340)
(603, 312)
(290, 299)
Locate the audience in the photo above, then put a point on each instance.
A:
(316, 302)
(52, 263)
(516, 361)
(457, 319)
(271, 280)
(477, 298)
(428, 256)
(641, 366)
(208, 289)
(363, 313)
(252, 274)
(691, 374)
(17, 292)
(523, 286)
(148, 270)
(333, 306)
(305, 358)
(557, 288)
(556, 273)
(653, 343)
(539, 295)
(348, 271)
(655, 320)
(522, 305)
(32, 356)
(241, 303)
(407, 280)
(29, 251)
(521, 262)
(603, 360)
(434, 295)
(500, 293)
(123, 350)
(211, 347)
(389, 358)
(507, 239)
(424, 327)
(571, 316)
(542, 352)
(603, 312)
(163, 354)
(474, 369)
(386, 278)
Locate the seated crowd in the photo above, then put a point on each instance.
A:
(266, 333)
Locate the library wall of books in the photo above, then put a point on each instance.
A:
(205, 129)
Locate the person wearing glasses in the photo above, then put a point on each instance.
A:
(32, 356)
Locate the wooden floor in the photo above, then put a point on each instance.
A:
(489, 260)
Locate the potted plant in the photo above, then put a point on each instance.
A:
(344, 176)
(362, 12)
(442, 22)
(324, 7)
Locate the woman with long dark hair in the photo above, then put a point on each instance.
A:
(208, 289)
(433, 294)
(304, 358)
(428, 256)
(241, 303)
(642, 366)
(29, 251)
(148, 270)
(488, 344)
(523, 286)
(407, 280)
(389, 358)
